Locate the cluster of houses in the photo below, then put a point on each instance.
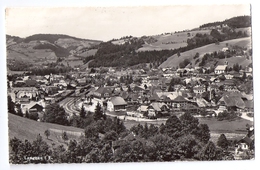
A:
(150, 93)
(152, 97)
(32, 93)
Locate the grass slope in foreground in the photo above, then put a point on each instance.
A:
(23, 128)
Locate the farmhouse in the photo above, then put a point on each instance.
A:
(25, 93)
(179, 102)
(156, 108)
(224, 49)
(142, 109)
(103, 92)
(249, 106)
(232, 102)
(220, 69)
(245, 145)
(33, 107)
(138, 90)
(116, 104)
(199, 89)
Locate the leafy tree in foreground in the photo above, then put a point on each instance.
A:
(82, 112)
(91, 132)
(10, 105)
(172, 127)
(47, 133)
(98, 114)
(209, 153)
(20, 152)
(55, 114)
(203, 133)
(189, 123)
(64, 136)
(110, 136)
(186, 147)
(222, 141)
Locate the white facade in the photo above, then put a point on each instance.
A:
(220, 69)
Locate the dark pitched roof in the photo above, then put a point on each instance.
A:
(103, 90)
(179, 99)
(247, 140)
(137, 88)
(231, 101)
(157, 106)
(165, 98)
(31, 82)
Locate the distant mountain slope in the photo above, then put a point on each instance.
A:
(235, 22)
(53, 37)
(40, 49)
(170, 41)
(174, 60)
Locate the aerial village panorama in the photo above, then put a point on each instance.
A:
(176, 96)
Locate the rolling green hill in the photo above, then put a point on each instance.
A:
(170, 40)
(41, 49)
(174, 60)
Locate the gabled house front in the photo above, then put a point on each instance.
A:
(116, 104)
(220, 69)
(156, 108)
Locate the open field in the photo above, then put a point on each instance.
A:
(174, 60)
(71, 42)
(73, 63)
(233, 130)
(88, 53)
(119, 42)
(171, 40)
(225, 126)
(31, 56)
(23, 128)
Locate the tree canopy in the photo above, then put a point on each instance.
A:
(55, 114)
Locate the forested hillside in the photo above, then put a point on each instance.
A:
(235, 22)
(51, 38)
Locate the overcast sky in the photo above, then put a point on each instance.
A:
(105, 23)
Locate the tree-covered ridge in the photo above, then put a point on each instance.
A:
(15, 38)
(235, 22)
(52, 38)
